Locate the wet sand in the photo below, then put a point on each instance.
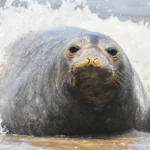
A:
(131, 141)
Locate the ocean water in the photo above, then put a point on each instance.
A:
(127, 22)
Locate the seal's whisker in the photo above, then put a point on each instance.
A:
(117, 79)
(120, 75)
(121, 78)
(64, 78)
(117, 71)
(114, 82)
(121, 83)
(65, 70)
(59, 77)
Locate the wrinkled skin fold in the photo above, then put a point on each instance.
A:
(71, 81)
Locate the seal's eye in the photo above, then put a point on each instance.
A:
(74, 49)
(113, 52)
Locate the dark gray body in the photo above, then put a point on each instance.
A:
(31, 103)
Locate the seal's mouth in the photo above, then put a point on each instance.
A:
(91, 73)
(94, 83)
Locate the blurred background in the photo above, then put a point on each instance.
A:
(134, 10)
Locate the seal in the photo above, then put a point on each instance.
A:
(71, 81)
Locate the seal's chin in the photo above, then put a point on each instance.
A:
(94, 84)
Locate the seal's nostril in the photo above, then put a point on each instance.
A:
(91, 62)
(95, 61)
(87, 61)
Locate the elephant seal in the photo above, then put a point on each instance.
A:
(71, 81)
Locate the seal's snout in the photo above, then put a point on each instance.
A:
(91, 62)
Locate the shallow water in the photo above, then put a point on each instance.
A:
(134, 38)
(131, 141)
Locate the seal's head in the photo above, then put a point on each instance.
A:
(95, 65)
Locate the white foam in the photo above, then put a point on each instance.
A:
(134, 38)
(3, 131)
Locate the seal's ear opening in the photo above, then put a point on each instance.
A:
(74, 49)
